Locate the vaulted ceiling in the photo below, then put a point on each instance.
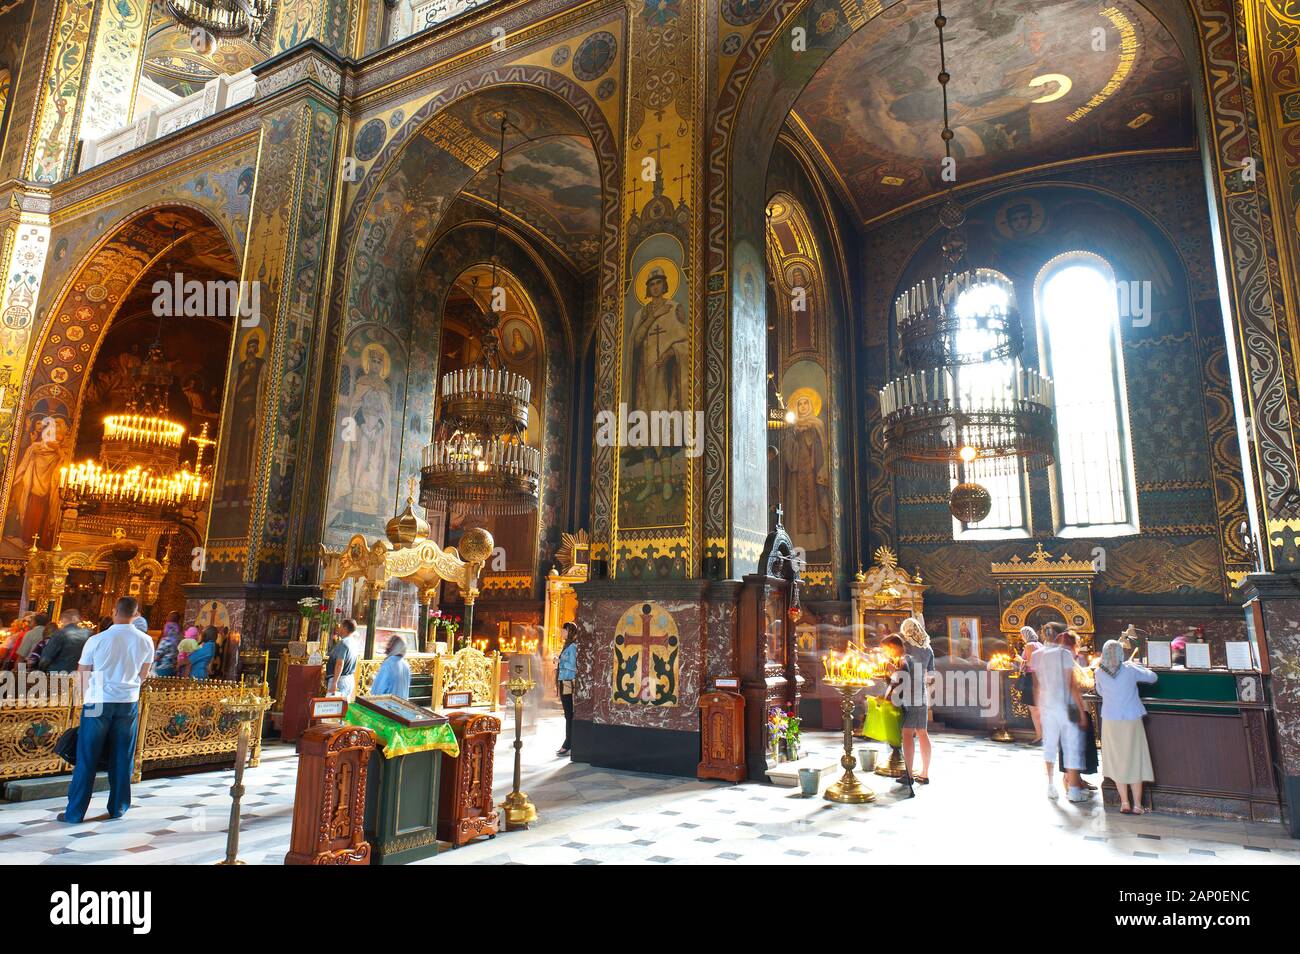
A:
(1034, 82)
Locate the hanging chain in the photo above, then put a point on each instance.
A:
(941, 21)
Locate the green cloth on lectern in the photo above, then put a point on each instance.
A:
(398, 739)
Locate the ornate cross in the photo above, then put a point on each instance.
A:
(682, 178)
(657, 150)
(655, 333)
(644, 645)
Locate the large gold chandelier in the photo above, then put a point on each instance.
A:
(223, 19)
(963, 402)
(479, 455)
(139, 467)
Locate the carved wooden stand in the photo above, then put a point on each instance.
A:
(465, 809)
(329, 805)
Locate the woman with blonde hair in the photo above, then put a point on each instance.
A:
(1126, 759)
(919, 665)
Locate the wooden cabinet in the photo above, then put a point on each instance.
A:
(465, 808)
(722, 736)
(329, 804)
(302, 683)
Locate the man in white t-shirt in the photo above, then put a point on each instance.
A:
(1056, 691)
(113, 664)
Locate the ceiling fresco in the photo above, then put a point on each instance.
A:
(1033, 82)
(455, 147)
(553, 185)
(172, 60)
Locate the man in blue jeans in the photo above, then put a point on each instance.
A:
(113, 664)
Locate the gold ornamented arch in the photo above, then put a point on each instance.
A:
(1077, 616)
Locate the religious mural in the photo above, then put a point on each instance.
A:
(1026, 76)
(809, 476)
(658, 363)
(647, 653)
(88, 299)
(552, 183)
(370, 431)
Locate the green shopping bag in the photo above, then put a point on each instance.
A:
(884, 721)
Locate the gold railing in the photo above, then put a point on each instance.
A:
(28, 732)
(468, 670)
(182, 723)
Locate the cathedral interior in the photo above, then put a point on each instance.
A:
(732, 332)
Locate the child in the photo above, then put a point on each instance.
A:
(187, 646)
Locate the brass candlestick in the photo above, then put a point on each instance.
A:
(1001, 664)
(245, 707)
(520, 812)
(895, 767)
(848, 790)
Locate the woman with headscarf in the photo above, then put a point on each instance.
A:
(1030, 638)
(1126, 759)
(918, 665)
(169, 645)
(394, 676)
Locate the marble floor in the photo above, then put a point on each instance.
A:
(986, 804)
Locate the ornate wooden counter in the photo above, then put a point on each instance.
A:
(1211, 745)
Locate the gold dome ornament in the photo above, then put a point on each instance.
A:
(476, 545)
(970, 502)
(408, 528)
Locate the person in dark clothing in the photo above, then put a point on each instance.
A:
(64, 649)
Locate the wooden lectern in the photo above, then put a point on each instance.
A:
(329, 804)
(722, 736)
(465, 807)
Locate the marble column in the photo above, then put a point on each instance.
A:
(1279, 598)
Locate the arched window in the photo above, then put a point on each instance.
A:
(990, 379)
(1079, 346)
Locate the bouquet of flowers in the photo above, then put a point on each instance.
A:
(783, 732)
(440, 620)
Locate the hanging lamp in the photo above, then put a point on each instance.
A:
(479, 455)
(963, 402)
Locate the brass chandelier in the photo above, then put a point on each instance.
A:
(139, 467)
(479, 455)
(223, 19)
(963, 402)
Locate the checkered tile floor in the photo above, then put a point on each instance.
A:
(986, 804)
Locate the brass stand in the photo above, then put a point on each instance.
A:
(245, 708)
(895, 767)
(1000, 734)
(848, 790)
(519, 811)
